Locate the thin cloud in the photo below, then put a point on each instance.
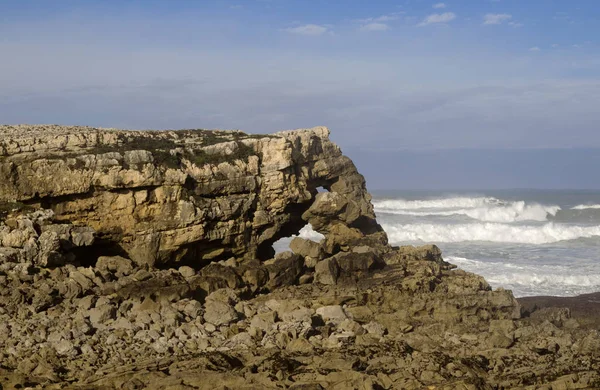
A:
(382, 18)
(515, 24)
(438, 18)
(374, 27)
(490, 19)
(439, 5)
(308, 29)
(535, 48)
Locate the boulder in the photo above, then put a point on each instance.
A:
(306, 248)
(332, 313)
(219, 309)
(327, 272)
(117, 265)
(285, 270)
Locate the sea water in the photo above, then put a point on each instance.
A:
(531, 242)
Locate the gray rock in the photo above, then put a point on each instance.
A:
(333, 313)
(327, 271)
(83, 236)
(187, 272)
(66, 348)
(218, 308)
(117, 265)
(285, 270)
(99, 316)
(375, 328)
(306, 248)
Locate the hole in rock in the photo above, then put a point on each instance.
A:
(283, 244)
(289, 228)
(296, 228)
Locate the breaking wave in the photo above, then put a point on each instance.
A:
(490, 232)
(482, 209)
(586, 207)
(532, 279)
(448, 203)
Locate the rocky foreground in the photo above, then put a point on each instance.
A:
(136, 260)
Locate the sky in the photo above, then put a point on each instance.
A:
(420, 94)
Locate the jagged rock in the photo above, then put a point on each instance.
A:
(214, 277)
(101, 314)
(426, 252)
(219, 307)
(327, 271)
(285, 270)
(333, 313)
(352, 263)
(118, 265)
(306, 248)
(83, 236)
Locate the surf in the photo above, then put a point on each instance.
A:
(490, 232)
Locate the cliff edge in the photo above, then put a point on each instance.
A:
(144, 259)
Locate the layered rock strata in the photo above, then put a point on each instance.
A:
(144, 260)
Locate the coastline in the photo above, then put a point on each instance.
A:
(584, 308)
(181, 284)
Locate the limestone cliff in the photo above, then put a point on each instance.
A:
(190, 196)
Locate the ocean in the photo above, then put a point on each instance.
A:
(533, 242)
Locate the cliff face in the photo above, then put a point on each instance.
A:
(144, 260)
(187, 197)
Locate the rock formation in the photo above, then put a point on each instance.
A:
(187, 197)
(145, 260)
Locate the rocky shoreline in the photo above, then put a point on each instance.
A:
(139, 260)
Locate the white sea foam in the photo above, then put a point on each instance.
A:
(586, 207)
(446, 203)
(491, 232)
(512, 212)
(307, 232)
(533, 279)
(310, 234)
(481, 209)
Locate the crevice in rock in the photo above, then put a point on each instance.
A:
(88, 256)
(194, 255)
(292, 227)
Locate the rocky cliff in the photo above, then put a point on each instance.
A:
(187, 197)
(145, 260)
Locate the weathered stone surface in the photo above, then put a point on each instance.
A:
(285, 270)
(174, 197)
(118, 265)
(306, 248)
(150, 271)
(327, 271)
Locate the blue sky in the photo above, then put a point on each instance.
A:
(390, 78)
